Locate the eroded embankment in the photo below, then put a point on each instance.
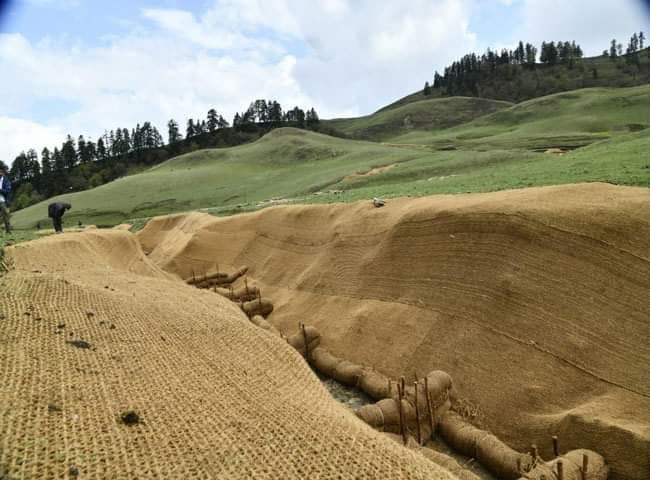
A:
(111, 368)
(535, 301)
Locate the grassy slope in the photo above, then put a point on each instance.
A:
(422, 115)
(286, 162)
(517, 83)
(494, 152)
(569, 119)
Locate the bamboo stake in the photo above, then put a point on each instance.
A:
(400, 394)
(585, 466)
(417, 413)
(429, 406)
(556, 446)
(560, 470)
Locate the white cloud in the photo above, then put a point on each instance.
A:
(591, 23)
(18, 135)
(341, 56)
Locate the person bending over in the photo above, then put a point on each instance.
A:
(55, 211)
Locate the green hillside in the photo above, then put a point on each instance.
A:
(564, 120)
(505, 149)
(429, 114)
(516, 83)
(285, 163)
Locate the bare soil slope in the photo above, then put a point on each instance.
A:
(536, 301)
(91, 329)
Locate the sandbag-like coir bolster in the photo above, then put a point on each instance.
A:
(571, 466)
(222, 280)
(264, 324)
(244, 294)
(492, 453)
(374, 384)
(323, 361)
(297, 340)
(384, 416)
(257, 307)
(209, 276)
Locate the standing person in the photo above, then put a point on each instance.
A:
(55, 211)
(5, 197)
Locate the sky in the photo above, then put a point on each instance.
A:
(84, 66)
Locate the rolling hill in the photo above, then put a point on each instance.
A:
(502, 150)
(516, 83)
(429, 114)
(565, 120)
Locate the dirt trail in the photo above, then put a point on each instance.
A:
(113, 368)
(536, 301)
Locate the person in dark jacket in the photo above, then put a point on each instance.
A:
(55, 211)
(5, 197)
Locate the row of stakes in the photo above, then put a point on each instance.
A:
(534, 449)
(534, 452)
(400, 393)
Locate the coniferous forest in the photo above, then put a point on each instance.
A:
(82, 163)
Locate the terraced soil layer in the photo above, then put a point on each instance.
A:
(536, 301)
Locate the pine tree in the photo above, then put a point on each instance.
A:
(641, 40)
(189, 131)
(222, 122)
(69, 153)
(46, 162)
(427, 89)
(81, 147)
(101, 150)
(612, 49)
(213, 120)
(126, 141)
(172, 132)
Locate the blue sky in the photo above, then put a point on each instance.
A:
(81, 66)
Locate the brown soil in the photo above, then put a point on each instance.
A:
(536, 301)
(215, 396)
(371, 172)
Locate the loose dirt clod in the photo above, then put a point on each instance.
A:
(130, 418)
(79, 344)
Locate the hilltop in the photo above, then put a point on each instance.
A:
(429, 114)
(517, 83)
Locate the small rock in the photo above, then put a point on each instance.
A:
(130, 418)
(52, 408)
(79, 343)
(73, 471)
(378, 202)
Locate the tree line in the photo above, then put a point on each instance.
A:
(83, 163)
(464, 76)
(632, 53)
(520, 73)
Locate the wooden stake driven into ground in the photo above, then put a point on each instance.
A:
(429, 407)
(400, 395)
(417, 413)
